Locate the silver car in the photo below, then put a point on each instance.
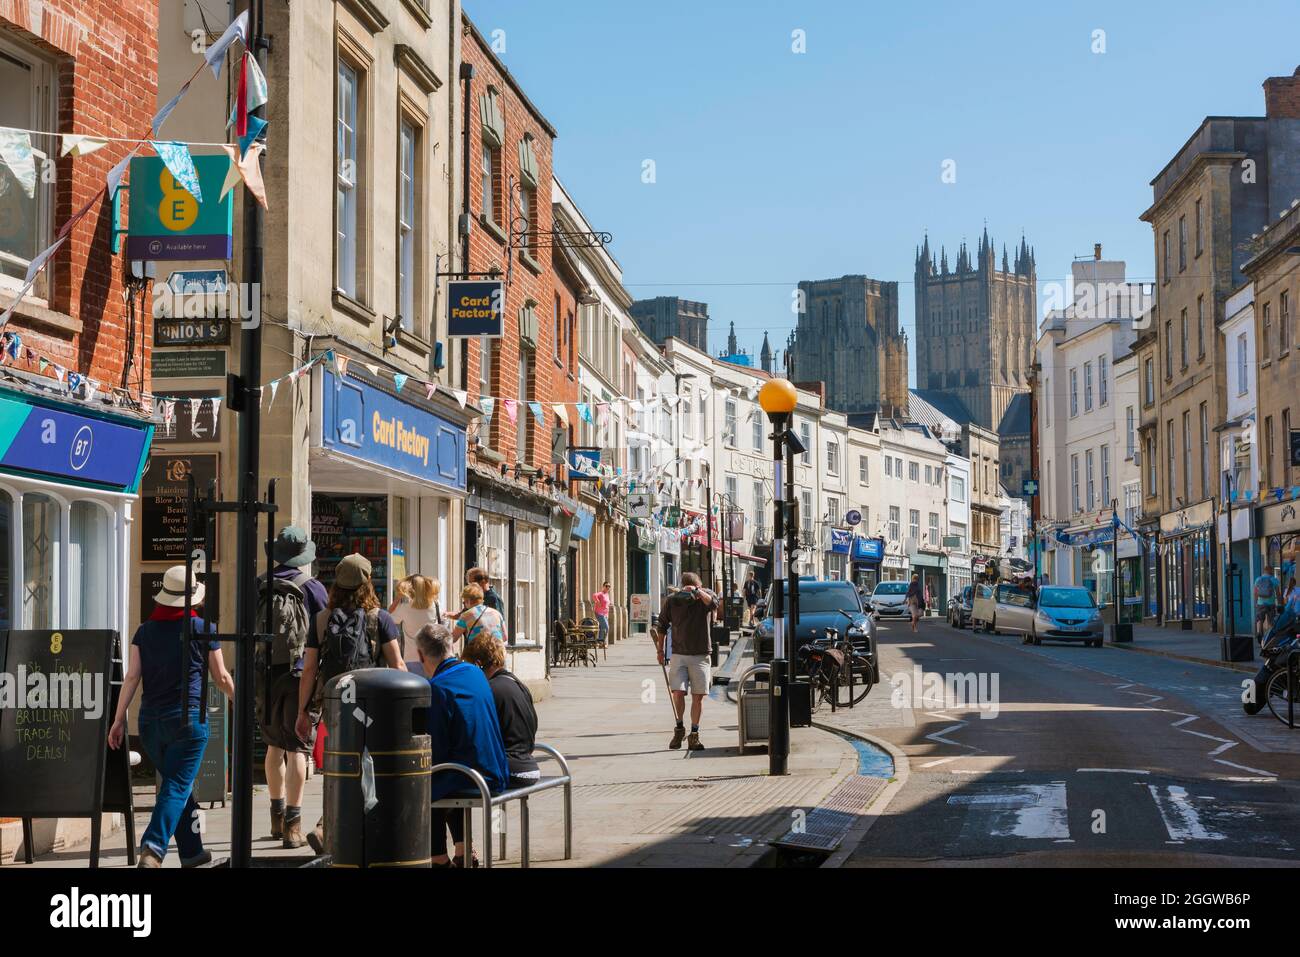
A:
(1003, 609)
(1067, 613)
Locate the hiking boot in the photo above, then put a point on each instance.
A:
(198, 860)
(693, 742)
(293, 835)
(316, 838)
(678, 734)
(148, 859)
(277, 823)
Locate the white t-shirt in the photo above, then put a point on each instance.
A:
(411, 620)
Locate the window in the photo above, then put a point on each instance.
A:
(1169, 349)
(1103, 379)
(1205, 450)
(90, 563)
(523, 227)
(347, 178)
(913, 472)
(889, 466)
(1182, 243)
(1200, 327)
(806, 515)
(1283, 323)
(42, 534)
(958, 529)
(760, 501)
(407, 177)
(1105, 475)
(1243, 368)
(833, 514)
(557, 320)
(1130, 439)
(914, 524)
(1149, 382)
(488, 182)
(522, 415)
(1187, 458)
(894, 531)
(805, 436)
(525, 584)
(957, 488)
(1200, 233)
(756, 418)
(1286, 458)
(1152, 488)
(729, 424)
(28, 101)
(1074, 392)
(832, 457)
(1265, 332)
(485, 365)
(1182, 322)
(1172, 458)
(1131, 503)
(1091, 489)
(1076, 504)
(1268, 454)
(1164, 260)
(864, 470)
(929, 475)
(934, 529)
(1087, 387)
(732, 487)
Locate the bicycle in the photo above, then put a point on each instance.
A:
(1276, 693)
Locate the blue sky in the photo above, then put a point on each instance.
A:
(772, 166)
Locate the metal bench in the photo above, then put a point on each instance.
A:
(484, 799)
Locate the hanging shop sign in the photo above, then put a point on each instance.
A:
(163, 494)
(169, 223)
(840, 541)
(63, 443)
(475, 308)
(868, 549)
(367, 425)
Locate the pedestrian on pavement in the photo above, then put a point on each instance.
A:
(752, 592)
(354, 632)
(415, 604)
(915, 600)
(173, 739)
(600, 603)
(463, 729)
(516, 715)
(476, 620)
(1266, 591)
(295, 599)
(688, 613)
(478, 576)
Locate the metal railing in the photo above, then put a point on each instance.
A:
(486, 800)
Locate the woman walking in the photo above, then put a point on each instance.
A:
(172, 736)
(915, 600)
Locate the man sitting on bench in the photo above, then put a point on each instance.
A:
(463, 729)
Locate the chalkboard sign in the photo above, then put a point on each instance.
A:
(54, 755)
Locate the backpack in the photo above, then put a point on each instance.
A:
(290, 623)
(350, 643)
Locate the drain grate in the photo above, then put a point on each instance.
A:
(824, 827)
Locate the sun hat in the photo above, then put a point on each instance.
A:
(351, 571)
(173, 589)
(293, 548)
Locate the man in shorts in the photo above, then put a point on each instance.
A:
(688, 612)
(1266, 591)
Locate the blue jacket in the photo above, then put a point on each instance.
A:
(463, 729)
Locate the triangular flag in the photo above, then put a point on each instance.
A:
(79, 144)
(561, 413)
(430, 389)
(195, 405)
(176, 157)
(114, 178)
(602, 414)
(255, 127)
(92, 387)
(16, 153)
(461, 397)
(373, 368)
(512, 410)
(43, 364)
(216, 53)
(486, 405)
(584, 411)
(216, 408)
(341, 364)
(536, 409)
(60, 373)
(233, 175)
(275, 387)
(160, 117)
(256, 93)
(241, 98)
(399, 380)
(250, 171)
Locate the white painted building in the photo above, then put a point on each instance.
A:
(1241, 476)
(911, 514)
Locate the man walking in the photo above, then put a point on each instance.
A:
(688, 613)
(1266, 593)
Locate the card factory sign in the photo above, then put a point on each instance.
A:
(475, 308)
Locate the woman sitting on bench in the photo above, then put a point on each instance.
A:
(515, 712)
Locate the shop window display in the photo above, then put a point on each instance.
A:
(343, 524)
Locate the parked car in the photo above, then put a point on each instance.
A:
(959, 607)
(1003, 608)
(889, 598)
(820, 607)
(1067, 613)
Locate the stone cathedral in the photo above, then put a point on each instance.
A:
(975, 327)
(848, 338)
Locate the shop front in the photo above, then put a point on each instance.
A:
(867, 555)
(69, 477)
(388, 480)
(670, 554)
(643, 570)
(959, 574)
(1278, 525)
(1239, 563)
(1187, 567)
(933, 569)
(838, 546)
(1150, 538)
(1131, 580)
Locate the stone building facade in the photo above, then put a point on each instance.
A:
(975, 326)
(848, 338)
(668, 316)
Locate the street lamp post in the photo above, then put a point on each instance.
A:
(777, 399)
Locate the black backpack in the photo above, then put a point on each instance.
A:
(350, 643)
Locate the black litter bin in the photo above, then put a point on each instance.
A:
(377, 769)
(734, 612)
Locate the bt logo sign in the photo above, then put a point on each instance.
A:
(82, 443)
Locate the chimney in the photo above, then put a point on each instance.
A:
(1282, 96)
(1096, 251)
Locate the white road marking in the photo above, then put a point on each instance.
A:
(1110, 771)
(937, 761)
(994, 771)
(939, 736)
(1241, 767)
(1034, 811)
(1181, 818)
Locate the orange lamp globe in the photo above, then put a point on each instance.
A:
(778, 397)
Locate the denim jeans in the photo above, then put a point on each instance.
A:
(603, 622)
(175, 747)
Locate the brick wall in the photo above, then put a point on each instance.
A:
(1282, 96)
(105, 58)
(531, 277)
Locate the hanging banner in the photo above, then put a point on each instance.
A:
(167, 222)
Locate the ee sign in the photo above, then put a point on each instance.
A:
(475, 308)
(168, 223)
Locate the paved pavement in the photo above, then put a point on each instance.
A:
(1062, 755)
(1195, 646)
(636, 803)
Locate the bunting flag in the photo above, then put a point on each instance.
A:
(79, 144)
(461, 397)
(252, 91)
(584, 412)
(233, 174)
(486, 405)
(16, 153)
(602, 414)
(275, 387)
(43, 365)
(250, 171)
(61, 373)
(167, 409)
(92, 387)
(372, 368)
(536, 409)
(216, 53)
(255, 127)
(240, 107)
(430, 389)
(160, 117)
(399, 380)
(195, 404)
(176, 157)
(512, 410)
(341, 364)
(562, 414)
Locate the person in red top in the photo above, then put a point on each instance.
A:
(600, 605)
